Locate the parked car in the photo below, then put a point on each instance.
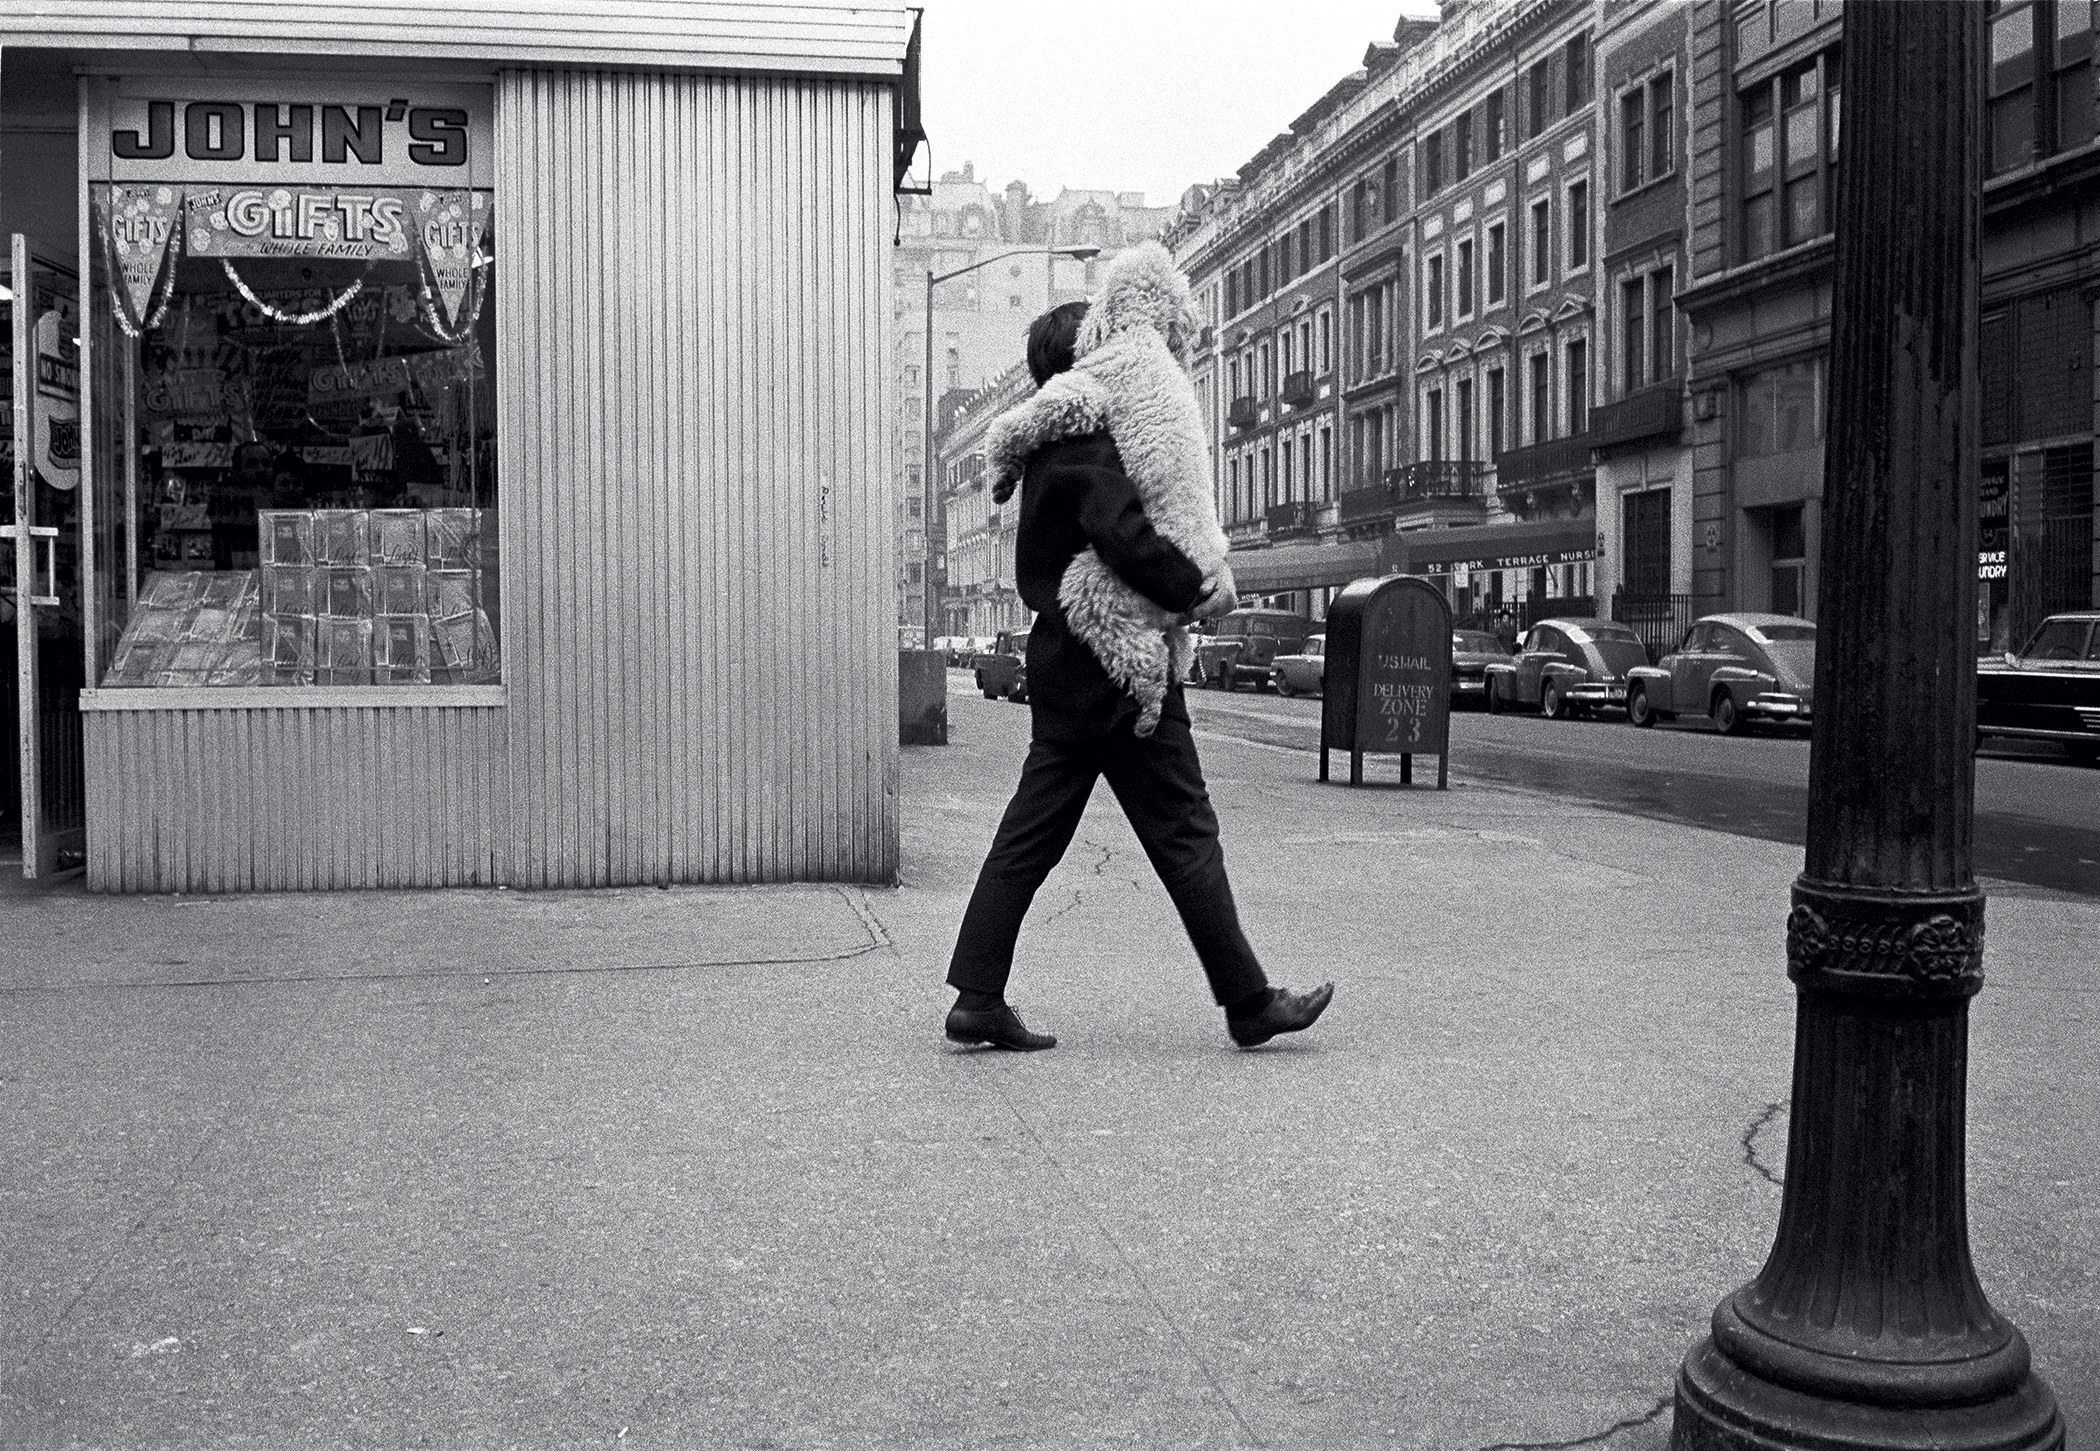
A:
(1566, 667)
(1472, 651)
(1307, 671)
(1244, 646)
(1004, 671)
(2049, 691)
(1733, 668)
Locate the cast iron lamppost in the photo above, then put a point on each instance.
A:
(1867, 1328)
(928, 457)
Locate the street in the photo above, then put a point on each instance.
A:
(2037, 815)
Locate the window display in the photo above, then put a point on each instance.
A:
(305, 414)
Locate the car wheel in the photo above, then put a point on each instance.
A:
(1552, 704)
(989, 693)
(1728, 720)
(1283, 686)
(1637, 708)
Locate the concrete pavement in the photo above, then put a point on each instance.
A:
(693, 1168)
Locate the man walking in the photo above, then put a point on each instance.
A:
(1076, 495)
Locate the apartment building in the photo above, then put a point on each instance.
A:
(979, 597)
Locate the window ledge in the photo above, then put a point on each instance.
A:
(1645, 187)
(297, 697)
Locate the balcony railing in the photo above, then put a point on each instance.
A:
(1289, 521)
(1448, 478)
(1298, 389)
(1656, 413)
(1554, 461)
(1241, 413)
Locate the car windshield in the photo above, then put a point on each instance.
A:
(1264, 628)
(1020, 644)
(2058, 640)
(1621, 652)
(1477, 642)
(1779, 634)
(1316, 645)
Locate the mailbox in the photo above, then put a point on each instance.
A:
(1388, 675)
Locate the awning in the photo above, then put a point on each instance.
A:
(1305, 566)
(1526, 544)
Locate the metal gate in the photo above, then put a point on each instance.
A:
(41, 536)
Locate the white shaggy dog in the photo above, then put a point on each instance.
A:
(1129, 377)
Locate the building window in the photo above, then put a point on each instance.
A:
(2071, 70)
(1262, 287)
(1289, 457)
(1662, 135)
(2012, 87)
(1462, 146)
(1433, 163)
(1374, 328)
(1541, 397)
(1326, 341)
(1433, 291)
(1359, 205)
(1633, 333)
(2041, 85)
(1541, 242)
(1433, 426)
(1789, 560)
(1633, 145)
(1494, 139)
(1578, 387)
(1465, 420)
(1465, 278)
(1760, 146)
(1327, 233)
(1268, 476)
(1389, 190)
(1662, 312)
(1497, 264)
(1780, 410)
(1578, 226)
(1539, 81)
(1284, 343)
(1498, 404)
(1264, 370)
(1579, 93)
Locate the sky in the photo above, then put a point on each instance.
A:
(1131, 95)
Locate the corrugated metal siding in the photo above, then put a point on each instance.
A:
(694, 290)
(811, 38)
(296, 800)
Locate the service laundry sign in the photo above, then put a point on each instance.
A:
(290, 132)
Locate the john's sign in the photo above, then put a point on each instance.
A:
(290, 131)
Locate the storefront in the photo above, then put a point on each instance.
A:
(1509, 574)
(479, 467)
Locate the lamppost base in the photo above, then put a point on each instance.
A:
(1723, 1407)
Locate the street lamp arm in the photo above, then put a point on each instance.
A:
(1079, 253)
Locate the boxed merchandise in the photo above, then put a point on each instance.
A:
(171, 589)
(239, 663)
(288, 589)
(345, 655)
(450, 592)
(291, 640)
(401, 649)
(137, 660)
(349, 592)
(453, 538)
(228, 589)
(210, 625)
(452, 650)
(287, 535)
(397, 536)
(341, 536)
(398, 589)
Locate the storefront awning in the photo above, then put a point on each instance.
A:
(1526, 544)
(1305, 566)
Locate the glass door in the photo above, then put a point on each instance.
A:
(42, 536)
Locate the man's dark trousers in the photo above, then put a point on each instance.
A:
(1159, 783)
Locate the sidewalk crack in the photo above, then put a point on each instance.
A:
(1252, 1438)
(1629, 1424)
(1758, 1126)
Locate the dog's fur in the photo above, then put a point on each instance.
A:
(1129, 376)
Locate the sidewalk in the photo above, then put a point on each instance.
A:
(693, 1168)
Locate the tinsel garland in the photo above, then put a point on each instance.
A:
(294, 319)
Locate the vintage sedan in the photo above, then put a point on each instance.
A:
(2049, 691)
(1242, 645)
(1566, 667)
(1734, 669)
(1307, 672)
(1472, 651)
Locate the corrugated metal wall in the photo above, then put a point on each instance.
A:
(290, 800)
(693, 286)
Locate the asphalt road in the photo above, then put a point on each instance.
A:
(2037, 821)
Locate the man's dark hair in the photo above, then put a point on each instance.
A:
(1051, 339)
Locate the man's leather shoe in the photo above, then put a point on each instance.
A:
(1001, 1027)
(1286, 1012)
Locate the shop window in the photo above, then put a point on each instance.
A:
(305, 396)
(1789, 561)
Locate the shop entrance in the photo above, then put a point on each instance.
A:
(43, 811)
